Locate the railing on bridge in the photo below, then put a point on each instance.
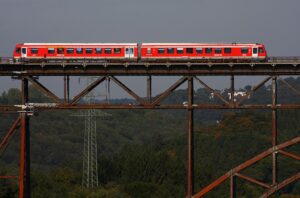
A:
(285, 59)
(6, 60)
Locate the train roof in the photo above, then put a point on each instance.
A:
(209, 44)
(130, 44)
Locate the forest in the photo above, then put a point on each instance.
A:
(142, 153)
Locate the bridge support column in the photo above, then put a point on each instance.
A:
(149, 88)
(274, 129)
(190, 168)
(24, 180)
(232, 90)
(232, 186)
(66, 89)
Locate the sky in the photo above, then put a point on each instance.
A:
(274, 23)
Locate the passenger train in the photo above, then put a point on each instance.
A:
(200, 52)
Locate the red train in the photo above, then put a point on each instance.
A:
(140, 52)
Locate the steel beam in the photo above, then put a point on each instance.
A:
(43, 89)
(291, 155)
(14, 109)
(254, 89)
(290, 86)
(245, 165)
(281, 185)
(212, 90)
(274, 129)
(190, 154)
(129, 91)
(24, 179)
(66, 89)
(87, 90)
(9, 134)
(232, 89)
(149, 88)
(9, 177)
(255, 181)
(232, 186)
(169, 91)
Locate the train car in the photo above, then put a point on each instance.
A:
(237, 52)
(203, 52)
(75, 51)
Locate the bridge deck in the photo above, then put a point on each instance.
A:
(274, 66)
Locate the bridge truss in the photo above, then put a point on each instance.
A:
(187, 72)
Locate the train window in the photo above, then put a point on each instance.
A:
(170, 50)
(208, 50)
(23, 50)
(244, 50)
(261, 50)
(34, 50)
(189, 50)
(254, 50)
(199, 50)
(179, 50)
(18, 50)
(227, 50)
(60, 50)
(149, 51)
(218, 51)
(98, 50)
(70, 50)
(51, 51)
(161, 50)
(89, 50)
(79, 51)
(117, 50)
(107, 50)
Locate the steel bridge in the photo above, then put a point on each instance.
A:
(189, 72)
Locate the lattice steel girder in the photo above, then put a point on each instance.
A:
(189, 72)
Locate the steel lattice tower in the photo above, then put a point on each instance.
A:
(90, 165)
(90, 156)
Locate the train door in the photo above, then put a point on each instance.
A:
(24, 52)
(129, 52)
(254, 52)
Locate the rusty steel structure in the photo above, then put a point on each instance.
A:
(187, 72)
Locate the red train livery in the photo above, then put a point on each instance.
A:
(140, 52)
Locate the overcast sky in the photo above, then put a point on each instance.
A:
(272, 22)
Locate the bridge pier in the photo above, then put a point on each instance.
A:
(190, 168)
(274, 130)
(24, 178)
